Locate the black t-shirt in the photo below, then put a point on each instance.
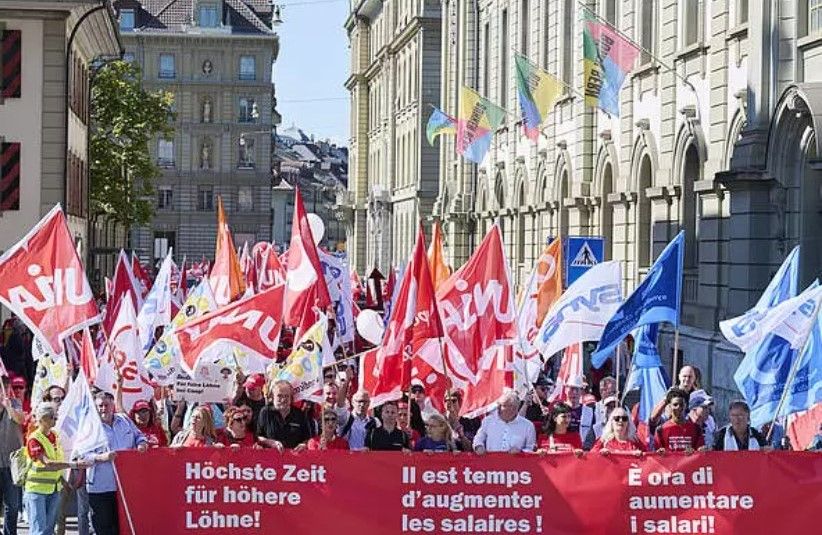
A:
(292, 430)
(576, 420)
(379, 439)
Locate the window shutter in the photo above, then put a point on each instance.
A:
(9, 176)
(11, 63)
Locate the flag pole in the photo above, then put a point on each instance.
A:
(792, 374)
(618, 357)
(675, 363)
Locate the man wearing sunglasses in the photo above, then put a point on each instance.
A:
(465, 429)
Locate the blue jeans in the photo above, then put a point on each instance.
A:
(42, 510)
(83, 512)
(11, 496)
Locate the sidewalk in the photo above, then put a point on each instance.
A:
(23, 528)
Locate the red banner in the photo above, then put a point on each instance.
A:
(261, 491)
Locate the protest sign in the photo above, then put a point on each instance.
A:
(210, 384)
(261, 491)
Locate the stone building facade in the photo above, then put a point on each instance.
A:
(394, 81)
(715, 136)
(216, 57)
(50, 52)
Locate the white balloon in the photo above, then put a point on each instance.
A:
(317, 228)
(370, 327)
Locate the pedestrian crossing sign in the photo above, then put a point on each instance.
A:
(581, 254)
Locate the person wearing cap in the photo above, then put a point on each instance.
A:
(739, 435)
(41, 492)
(465, 429)
(505, 430)
(18, 392)
(537, 406)
(679, 433)
(582, 416)
(250, 393)
(101, 483)
(699, 411)
(11, 439)
(145, 418)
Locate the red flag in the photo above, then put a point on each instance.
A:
(271, 271)
(249, 327)
(414, 321)
(226, 277)
(140, 275)
(303, 269)
(367, 377)
(42, 281)
(88, 357)
(570, 371)
(123, 284)
(356, 286)
(803, 426)
(479, 319)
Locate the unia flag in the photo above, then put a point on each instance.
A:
(123, 283)
(479, 321)
(43, 282)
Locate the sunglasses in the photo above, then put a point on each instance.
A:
(239, 419)
(329, 419)
(620, 418)
(18, 387)
(452, 400)
(56, 400)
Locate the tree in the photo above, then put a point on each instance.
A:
(125, 118)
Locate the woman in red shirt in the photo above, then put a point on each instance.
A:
(618, 435)
(200, 432)
(328, 439)
(555, 436)
(145, 418)
(237, 432)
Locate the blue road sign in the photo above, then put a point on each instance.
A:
(581, 254)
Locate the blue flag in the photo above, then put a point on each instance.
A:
(763, 372)
(647, 373)
(655, 300)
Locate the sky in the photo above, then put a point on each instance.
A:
(312, 67)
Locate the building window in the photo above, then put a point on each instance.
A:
(208, 16)
(609, 11)
(691, 13)
(165, 198)
(814, 16)
(126, 20)
(163, 241)
(568, 42)
(486, 59)
(742, 11)
(11, 47)
(248, 68)
(647, 28)
(524, 30)
(9, 176)
(248, 110)
(503, 59)
(165, 153)
(167, 68)
(245, 199)
(246, 159)
(205, 198)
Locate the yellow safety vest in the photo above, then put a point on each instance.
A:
(39, 479)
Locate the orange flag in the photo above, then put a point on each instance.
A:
(226, 277)
(549, 272)
(436, 258)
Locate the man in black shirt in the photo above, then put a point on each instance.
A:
(389, 437)
(281, 426)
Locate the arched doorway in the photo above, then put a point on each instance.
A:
(643, 230)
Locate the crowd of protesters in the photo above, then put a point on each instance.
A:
(263, 414)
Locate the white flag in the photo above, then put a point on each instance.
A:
(791, 319)
(582, 312)
(126, 354)
(156, 309)
(78, 423)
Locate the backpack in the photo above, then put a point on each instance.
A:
(20, 464)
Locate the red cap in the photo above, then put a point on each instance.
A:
(18, 381)
(142, 404)
(256, 380)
